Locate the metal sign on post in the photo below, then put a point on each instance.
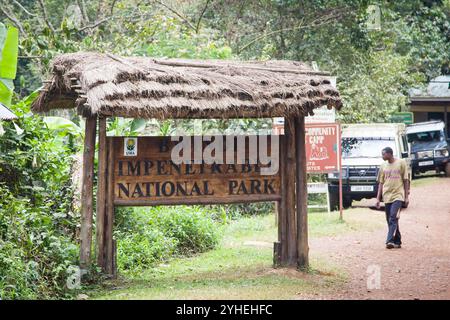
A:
(319, 188)
(323, 151)
(402, 117)
(322, 146)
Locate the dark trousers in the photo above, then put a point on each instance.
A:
(392, 209)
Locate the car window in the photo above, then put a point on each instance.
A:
(429, 136)
(366, 147)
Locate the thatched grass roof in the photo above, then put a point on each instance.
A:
(142, 87)
(5, 113)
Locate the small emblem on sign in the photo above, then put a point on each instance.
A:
(130, 147)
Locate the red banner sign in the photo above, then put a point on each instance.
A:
(322, 147)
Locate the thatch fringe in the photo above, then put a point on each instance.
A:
(138, 87)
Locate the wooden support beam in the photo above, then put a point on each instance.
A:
(289, 190)
(87, 192)
(110, 247)
(101, 193)
(302, 195)
(281, 246)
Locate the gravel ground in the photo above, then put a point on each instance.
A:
(419, 270)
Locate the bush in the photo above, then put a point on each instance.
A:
(34, 255)
(143, 250)
(192, 227)
(37, 223)
(16, 274)
(236, 211)
(147, 236)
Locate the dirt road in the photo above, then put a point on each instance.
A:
(419, 270)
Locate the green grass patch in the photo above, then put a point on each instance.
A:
(241, 266)
(426, 179)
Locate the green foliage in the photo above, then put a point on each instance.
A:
(377, 88)
(143, 250)
(236, 211)
(126, 127)
(33, 162)
(173, 40)
(145, 237)
(34, 251)
(63, 126)
(37, 223)
(9, 38)
(374, 68)
(193, 229)
(120, 27)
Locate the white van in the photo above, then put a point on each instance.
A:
(361, 159)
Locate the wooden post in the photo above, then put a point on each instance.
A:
(302, 195)
(87, 192)
(110, 247)
(101, 193)
(281, 208)
(289, 190)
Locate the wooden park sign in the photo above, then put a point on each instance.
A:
(142, 171)
(156, 171)
(148, 171)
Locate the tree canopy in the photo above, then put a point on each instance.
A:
(375, 66)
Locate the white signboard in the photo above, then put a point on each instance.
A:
(318, 187)
(322, 115)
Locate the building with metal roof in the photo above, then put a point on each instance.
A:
(432, 103)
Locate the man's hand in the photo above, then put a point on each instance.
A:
(406, 201)
(377, 204)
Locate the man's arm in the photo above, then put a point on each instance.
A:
(379, 193)
(406, 183)
(406, 187)
(380, 180)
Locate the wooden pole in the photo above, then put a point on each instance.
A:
(302, 195)
(289, 186)
(87, 192)
(281, 247)
(101, 193)
(110, 248)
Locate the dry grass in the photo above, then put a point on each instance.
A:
(140, 87)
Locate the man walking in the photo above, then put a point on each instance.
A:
(394, 186)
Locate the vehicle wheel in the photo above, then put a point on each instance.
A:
(413, 175)
(347, 203)
(334, 201)
(447, 170)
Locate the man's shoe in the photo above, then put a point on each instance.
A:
(390, 245)
(397, 246)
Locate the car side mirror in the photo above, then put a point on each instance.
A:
(405, 155)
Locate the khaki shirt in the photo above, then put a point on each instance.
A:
(392, 176)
